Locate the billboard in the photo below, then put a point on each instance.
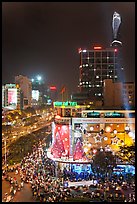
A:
(35, 95)
(12, 96)
(61, 140)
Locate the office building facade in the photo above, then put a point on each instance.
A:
(26, 89)
(96, 65)
(119, 94)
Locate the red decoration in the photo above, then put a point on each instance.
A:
(58, 147)
(78, 151)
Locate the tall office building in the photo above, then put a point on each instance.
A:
(39, 91)
(120, 94)
(116, 22)
(96, 65)
(117, 43)
(26, 88)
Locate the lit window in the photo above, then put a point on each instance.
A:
(115, 76)
(97, 85)
(86, 65)
(94, 69)
(129, 96)
(84, 51)
(87, 82)
(99, 94)
(97, 77)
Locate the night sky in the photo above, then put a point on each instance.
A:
(43, 38)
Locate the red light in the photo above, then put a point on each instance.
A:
(115, 50)
(53, 88)
(79, 50)
(97, 48)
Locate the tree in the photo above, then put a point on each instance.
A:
(103, 163)
(127, 154)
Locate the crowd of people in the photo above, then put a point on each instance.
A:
(47, 181)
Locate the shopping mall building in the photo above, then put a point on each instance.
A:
(77, 136)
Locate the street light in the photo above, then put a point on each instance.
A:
(5, 151)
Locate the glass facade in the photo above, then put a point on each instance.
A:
(95, 66)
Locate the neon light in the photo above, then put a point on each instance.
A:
(97, 48)
(79, 50)
(115, 50)
(53, 88)
(67, 103)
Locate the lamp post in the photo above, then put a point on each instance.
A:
(5, 151)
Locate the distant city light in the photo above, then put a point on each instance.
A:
(53, 88)
(79, 50)
(97, 48)
(39, 78)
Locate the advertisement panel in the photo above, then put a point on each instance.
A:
(61, 141)
(35, 95)
(12, 96)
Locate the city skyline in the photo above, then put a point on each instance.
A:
(44, 38)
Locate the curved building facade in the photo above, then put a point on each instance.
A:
(116, 22)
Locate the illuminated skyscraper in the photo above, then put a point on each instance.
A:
(96, 65)
(116, 22)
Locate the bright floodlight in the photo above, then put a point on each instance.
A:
(38, 78)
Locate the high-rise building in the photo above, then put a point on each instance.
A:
(39, 91)
(11, 96)
(96, 65)
(26, 88)
(116, 22)
(128, 94)
(119, 94)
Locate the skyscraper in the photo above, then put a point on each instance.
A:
(96, 65)
(116, 43)
(116, 22)
(26, 88)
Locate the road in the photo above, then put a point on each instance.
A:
(25, 195)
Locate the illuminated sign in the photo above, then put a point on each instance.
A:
(35, 95)
(67, 103)
(97, 48)
(12, 96)
(53, 88)
(114, 114)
